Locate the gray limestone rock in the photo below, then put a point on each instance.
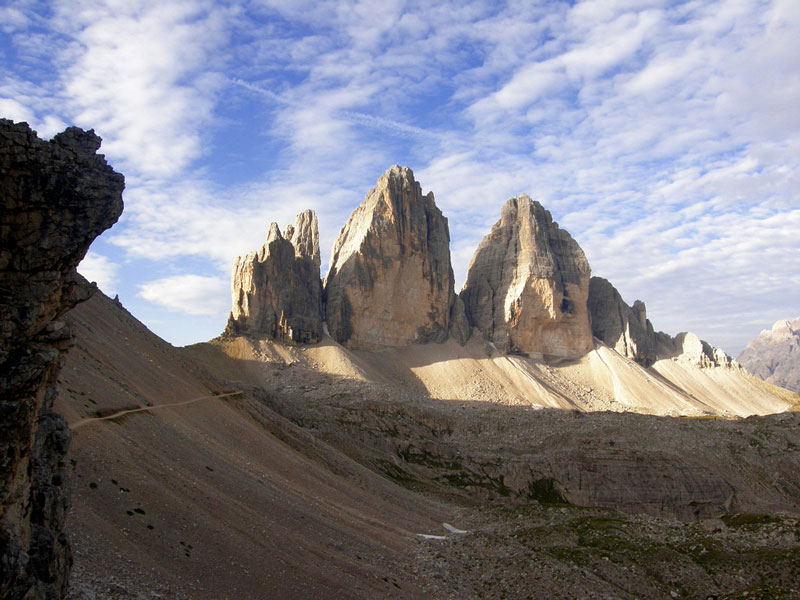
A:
(774, 355)
(619, 326)
(627, 330)
(390, 281)
(527, 285)
(277, 292)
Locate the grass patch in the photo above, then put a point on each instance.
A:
(751, 520)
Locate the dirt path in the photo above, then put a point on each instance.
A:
(83, 422)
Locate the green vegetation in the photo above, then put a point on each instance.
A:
(743, 520)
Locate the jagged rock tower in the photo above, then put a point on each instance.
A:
(55, 198)
(390, 281)
(622, 327)
(627, 330)
(527, 285)
(277, 291)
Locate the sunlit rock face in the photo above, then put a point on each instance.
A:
(390, 281)
(527, 285)
(277, 292)
(55, 198)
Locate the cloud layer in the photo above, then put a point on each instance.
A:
(664, 135)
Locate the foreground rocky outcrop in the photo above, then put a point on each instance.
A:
(56, 198)
(527, 285)
(627, 330)
(277, 291)
(390, 281)
(774, 355)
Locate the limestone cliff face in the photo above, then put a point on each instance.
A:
(527, 285)
(629, 332)
(277, 291)
(774, 355)
(56, 198)
(622, 327)
(390, 281)
(687, 346)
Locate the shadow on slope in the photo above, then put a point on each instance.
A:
(316, 484)
(477, 451)
(221, 498)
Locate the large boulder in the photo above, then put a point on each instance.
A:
(277, 292)
(55, 198)
(390, 281)
(527, 285)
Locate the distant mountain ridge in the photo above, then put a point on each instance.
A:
(774, 355)
(528, 291)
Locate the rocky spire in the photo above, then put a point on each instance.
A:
(277, 291)
(527, 285)
(619, 326)
(390, 281)
(629, 332)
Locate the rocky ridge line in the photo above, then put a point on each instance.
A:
(56, 198)
(627, 330)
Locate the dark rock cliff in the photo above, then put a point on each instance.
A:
(56, 198)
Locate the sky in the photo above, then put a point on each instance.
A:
(663, 135)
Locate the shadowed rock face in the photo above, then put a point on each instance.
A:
(774, 355)
(627, 330)
(624, 328)
(527, 285)
(277, 291)
(390, 282)
(56, 198)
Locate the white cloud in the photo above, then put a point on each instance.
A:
(665, 136)
(100, 269)
(189, 294)
(144, 75)
(11, 109)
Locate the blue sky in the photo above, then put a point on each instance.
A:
(664, 136)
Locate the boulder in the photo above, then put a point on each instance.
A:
(277, 292)
(55, 198)
(390, 281)
(527, 285)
